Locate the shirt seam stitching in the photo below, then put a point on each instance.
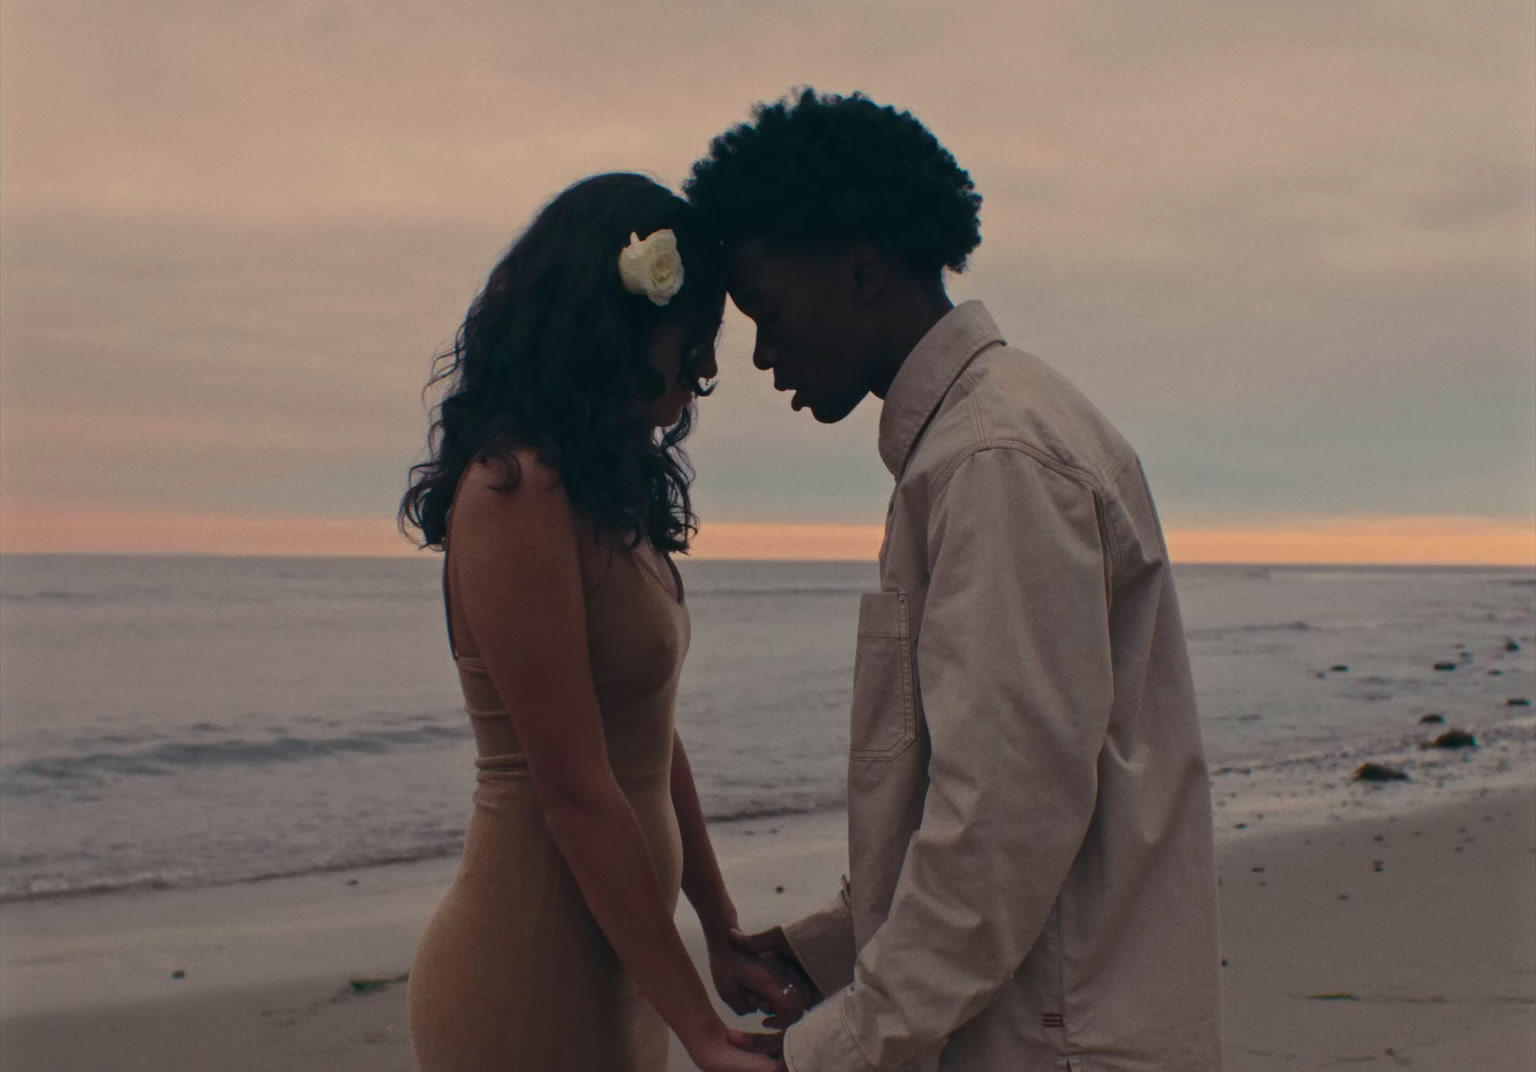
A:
(1061, 982)
(968, 378)
(1121, 464)
(1112, 560)
(1081, 477)
(842, 1021)
(908, 443)
(1111, 481)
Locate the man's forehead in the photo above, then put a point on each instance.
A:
(747, 259)
(747, 276)
(754, 265)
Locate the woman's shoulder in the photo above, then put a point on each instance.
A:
(514, 482)
(517, 495)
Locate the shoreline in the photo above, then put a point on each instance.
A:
(1416, 905)
(1289, 793)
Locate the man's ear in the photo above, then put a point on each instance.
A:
(870, 271)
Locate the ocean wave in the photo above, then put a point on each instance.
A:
(45, 887)
(47, 773)
(742, 593)
(1256, 627)
(51, 595)
(42, 887)
(773, 810)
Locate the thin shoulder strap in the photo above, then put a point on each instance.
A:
(677, 576)
(453, 648)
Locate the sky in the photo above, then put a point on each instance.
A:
(1289, 249)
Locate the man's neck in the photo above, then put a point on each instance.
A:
(906, 323)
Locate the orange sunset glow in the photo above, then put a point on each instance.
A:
(1443, 541)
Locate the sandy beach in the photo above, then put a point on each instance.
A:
(1406, 938)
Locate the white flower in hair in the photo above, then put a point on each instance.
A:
(652, 266)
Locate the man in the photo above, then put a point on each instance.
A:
(1031, 879)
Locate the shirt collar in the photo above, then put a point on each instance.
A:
(926, 375)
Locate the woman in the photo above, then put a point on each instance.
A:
(557, 491)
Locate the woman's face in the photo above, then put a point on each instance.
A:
(676, 348)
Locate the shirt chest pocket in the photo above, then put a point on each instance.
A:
(883, 722)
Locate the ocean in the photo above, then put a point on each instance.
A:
(185, 721)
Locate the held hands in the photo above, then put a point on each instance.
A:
(749, 982)
(756, 973)
(796, 990)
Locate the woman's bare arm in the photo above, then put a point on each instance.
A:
(702, 883)
(745, 982)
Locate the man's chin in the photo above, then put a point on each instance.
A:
(832, 412)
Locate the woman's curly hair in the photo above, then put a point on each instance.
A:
(553, 356)
(821, 171)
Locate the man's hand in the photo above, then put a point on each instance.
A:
(749, 983)
(772, 949)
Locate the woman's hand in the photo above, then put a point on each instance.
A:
(772, 948)
(730, 1050)
(750, 983)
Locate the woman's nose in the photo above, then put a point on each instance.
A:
(762, 356)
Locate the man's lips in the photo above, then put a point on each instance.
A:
(796, 403)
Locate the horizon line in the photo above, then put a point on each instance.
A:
(346, 556)
(1382, 540)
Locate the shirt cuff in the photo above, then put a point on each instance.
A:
(823, 944)
(821, 1041)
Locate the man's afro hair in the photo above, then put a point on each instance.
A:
(821, 170)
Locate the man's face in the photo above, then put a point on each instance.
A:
(812, 332)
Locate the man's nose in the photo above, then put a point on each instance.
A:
(762, 356)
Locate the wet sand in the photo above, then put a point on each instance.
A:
(1398, 940)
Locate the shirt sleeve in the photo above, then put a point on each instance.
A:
(1014, 668)
(823, 943)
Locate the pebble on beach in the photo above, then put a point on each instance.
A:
(1454, 739)
(1517, 701)
(370, 984)
(1379, 772)
(1445, 666)
(1431, 719)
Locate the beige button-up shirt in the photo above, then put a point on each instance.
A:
(1031, 875)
